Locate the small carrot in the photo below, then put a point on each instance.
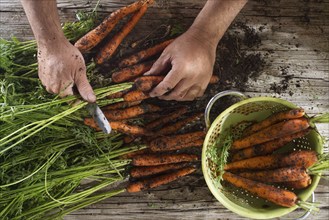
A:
(195, 143)
(167, 118)
(170, 129)
(214, 79)
(272, 132)
(119, 94)
(138, 172)
(130, 129)
(273, 194)
(144, 54)
(276, 175)
(135, 95)
(120, 105)
(131, 112)
(91, 123)
(95, 36)
(131, 72)
(268, 147)
(159, 180)
(146, 83)
(303, 158)
(106, 52)
(155, 159)
(275, 118)
(299, 184)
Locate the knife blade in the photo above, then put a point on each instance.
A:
(99, 117)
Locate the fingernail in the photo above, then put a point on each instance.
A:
(152, 94)
(91, 98)
(147, 73)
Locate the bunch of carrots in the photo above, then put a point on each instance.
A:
(255, 165)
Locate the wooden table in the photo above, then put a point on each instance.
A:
(294, 36)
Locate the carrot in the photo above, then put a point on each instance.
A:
(131, 112)
(159, 180)
(138, 172)
(91, 123)
(147, 83)
(135, 95)
(175, 142)
(272, 132)
(304, 158)
(128, 139)
(195, 143)
(277, 175)
(95, 36)
(214, 79)
(119, 94)
(155, 159)
(170, 129)
(144, 54)
(129, 129)
(275, 118)
(106, 52)
(131, 72)
(273, 194)
(167, 118)
(299, 184)
(268, 147)
(120, 105)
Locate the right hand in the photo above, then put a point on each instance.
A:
(62, 66)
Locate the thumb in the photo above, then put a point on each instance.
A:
(159, 66)
(85, 89)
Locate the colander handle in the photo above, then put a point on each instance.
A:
(215, 98)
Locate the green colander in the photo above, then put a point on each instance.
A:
(239, 116)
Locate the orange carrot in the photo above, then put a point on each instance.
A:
(155, 159)
(167, 118)
(175, 142)
(110, 47)
(272, 132)
(120, 105)
(95, 36)
(304, 158)
(273, 194)
(170, 129)
(131, 112)
(159, 180)
(118, 94)
(128, 139)
(277, 175)
(214, 79)
(147, 83)
(129, 129)
(138, 172)
(268, 147)
(131, 72)
(91, 123)
(299, 184)
(144, 54)
(275, 118)
(135, 95)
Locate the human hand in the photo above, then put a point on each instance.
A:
(190, 59)
(61, 66)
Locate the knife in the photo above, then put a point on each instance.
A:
(99, 117)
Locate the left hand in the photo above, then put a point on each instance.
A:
(190, 60)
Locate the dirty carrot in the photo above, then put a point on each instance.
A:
(106, 52)
(275, 118)
(144, 54)
(131, 72)
(138, 172)
(95, 36)
(276, 175)
(118, 94)
(175, 142)
(159, 180)
(128, 139)
(299, 184)
(273, 194)
(272, 132)
(135, 95)
(120, 105)
(156, 159)
(303, 158)
(268, 147)
(146, 83)
(129, 129)
(170, 129)
(167, 118)
(214, 79)
(91, 123)
(131, 112)
(195, 143)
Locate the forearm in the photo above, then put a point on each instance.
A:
(215, 18)
(44, 20)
